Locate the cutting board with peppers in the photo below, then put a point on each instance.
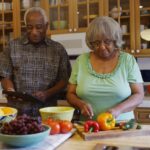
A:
(114, 133)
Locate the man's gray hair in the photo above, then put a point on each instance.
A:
(36, 9)
(104, 27)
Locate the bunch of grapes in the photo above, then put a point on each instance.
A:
(23, 125)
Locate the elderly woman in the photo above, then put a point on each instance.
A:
(105, 79)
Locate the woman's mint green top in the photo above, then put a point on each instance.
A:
(103, 91)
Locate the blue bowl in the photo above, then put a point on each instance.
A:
(24, 140)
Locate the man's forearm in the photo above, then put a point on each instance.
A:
(7, 84)
(57, 88)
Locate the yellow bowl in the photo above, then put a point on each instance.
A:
(58, 112)
(7, 114)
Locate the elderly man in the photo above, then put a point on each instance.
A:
(34, 63)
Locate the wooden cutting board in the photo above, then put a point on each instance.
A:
(111, 133)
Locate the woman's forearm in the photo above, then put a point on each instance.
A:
(127, 105)
(130, 103)
(75, 100)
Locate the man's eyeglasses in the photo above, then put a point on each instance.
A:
(98, 43)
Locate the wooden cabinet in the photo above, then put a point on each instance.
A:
(7, 22)
(123, 12)
(142, 21)
(70, 16)
(142, 112)
(11, 19)
(143, 115)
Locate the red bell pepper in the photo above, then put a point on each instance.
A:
(91, 126)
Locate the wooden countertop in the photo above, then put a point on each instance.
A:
(77, 143)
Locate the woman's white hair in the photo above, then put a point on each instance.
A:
(36, 9)
(104, 28)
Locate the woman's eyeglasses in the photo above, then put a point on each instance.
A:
(98, 43)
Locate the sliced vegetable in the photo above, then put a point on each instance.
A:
(139, 126)
(127, 125)
(91, 126)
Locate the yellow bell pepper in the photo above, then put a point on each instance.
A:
(106, 121)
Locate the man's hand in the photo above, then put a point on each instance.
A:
(41, 95)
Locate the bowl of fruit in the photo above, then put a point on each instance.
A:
(23, 131)
(7, 114)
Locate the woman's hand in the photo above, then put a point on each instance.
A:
(87, 110)
(114, 112)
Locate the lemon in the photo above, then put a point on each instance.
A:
(1, 112)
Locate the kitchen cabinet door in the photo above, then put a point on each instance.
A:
(123, 12)
(142, 21)
(59, 13)
(85, 12)
(70, 16)
(7, 22)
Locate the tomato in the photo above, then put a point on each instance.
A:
(65, 126)
(55, 127)
(106, 121)
(47, 121)
(58, 126)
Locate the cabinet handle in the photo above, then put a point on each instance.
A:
(77, 12)
(74, 29)
(149, 116)
(132, 51)
(137, 50)
(70, 30)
